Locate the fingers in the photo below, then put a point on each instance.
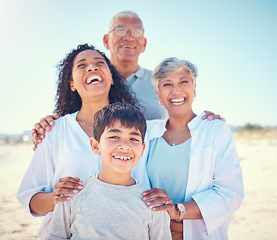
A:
(46, 123)
(68, 185)
(159, 201)
(38, 130)
(211, 116)
(65, 186)
(156, 196)
(207, 115)
(154, 193)
(36, 142)
(61, 198)
(37, 135)
(49, 119)
(34, 148)
(70, 182)
(222, 119)
(56, 116)
(167, 207)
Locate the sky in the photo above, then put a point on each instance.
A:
(233, 44)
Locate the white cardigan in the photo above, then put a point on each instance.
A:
(215, 179)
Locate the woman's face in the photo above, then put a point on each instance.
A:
(91, 75)
(176, 93)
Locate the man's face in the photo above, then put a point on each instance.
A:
(125, 48)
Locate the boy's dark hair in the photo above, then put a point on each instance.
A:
(128, 115)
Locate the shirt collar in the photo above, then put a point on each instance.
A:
(137, 74)
(158, 126)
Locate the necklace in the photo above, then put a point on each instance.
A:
(83, 122)
(90, 127)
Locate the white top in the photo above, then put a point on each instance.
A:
(163, 160)
(106, 211)
(65, 151)
(215, 179)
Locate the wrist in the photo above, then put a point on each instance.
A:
(180, 207)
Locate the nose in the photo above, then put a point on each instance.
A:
(128, 34)
(92, 67)
(176, 89)
(124, 146)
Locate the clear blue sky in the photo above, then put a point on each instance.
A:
(233, 44)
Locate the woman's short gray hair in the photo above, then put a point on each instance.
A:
(123, 14)
(172, 65)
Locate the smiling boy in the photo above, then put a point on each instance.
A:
(110, 205)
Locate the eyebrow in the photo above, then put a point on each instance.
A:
(169, 80)
(96, 58)
(185, 77)
(115, 130)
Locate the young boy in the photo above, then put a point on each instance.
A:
(110, 204)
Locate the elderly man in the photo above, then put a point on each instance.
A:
(125, 40)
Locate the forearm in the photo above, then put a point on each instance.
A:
(42, 203)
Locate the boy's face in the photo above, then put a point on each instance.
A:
(120, 148)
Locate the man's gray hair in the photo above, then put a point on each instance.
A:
(126, 14)
(172, 65)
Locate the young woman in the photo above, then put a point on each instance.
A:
(87, 82)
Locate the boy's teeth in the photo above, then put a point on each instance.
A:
(123, 158)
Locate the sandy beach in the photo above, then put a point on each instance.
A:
(256, 219)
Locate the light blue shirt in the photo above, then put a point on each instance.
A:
(164, 163)
(140, 84)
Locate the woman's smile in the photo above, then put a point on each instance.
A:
(178, 101)
(93, 79)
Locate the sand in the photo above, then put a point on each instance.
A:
(256, 219)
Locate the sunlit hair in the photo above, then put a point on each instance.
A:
(128, 116)
(172, 65)
(68, 101)
(124, 14)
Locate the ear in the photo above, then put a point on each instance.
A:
(143, 148)
(159, 97)
(194, 90)
(144, 45)
(94, 145)
(105, 41)
(71, 83)
(112, 79)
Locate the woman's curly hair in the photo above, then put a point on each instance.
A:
(69, 102)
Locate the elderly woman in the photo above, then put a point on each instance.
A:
(192, 164)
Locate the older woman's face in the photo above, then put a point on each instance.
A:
(176, 92)
(91, 75)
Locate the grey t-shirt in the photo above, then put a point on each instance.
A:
(106, 211)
